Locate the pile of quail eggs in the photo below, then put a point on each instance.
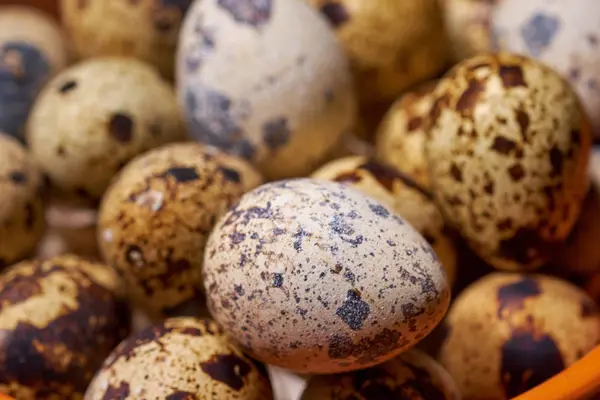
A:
(297, 199)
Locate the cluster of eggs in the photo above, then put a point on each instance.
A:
(200, 197)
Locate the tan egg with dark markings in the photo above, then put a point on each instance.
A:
(59, 320)
(180, 358)
(156, 217)
(508, 153)
(402, 194)
(509, 332)
(95, 116)
(22, 222)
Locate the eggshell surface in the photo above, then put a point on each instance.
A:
(289, 104)
(316, 277)
(508, 155)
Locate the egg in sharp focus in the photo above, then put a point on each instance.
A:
(564, 35)
(22, 222)
(402, 194)
(180, 358)
(289, 104)
(508, 152)
(59, 319)
(94, 117)
(316, 277)
(528, 328)
(156, 217)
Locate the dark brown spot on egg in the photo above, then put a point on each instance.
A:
(335, 12)
(120, 127)
(556, 161)
(182, 174)
(456, 173)
(511, 297)
(512, 76)
(354, 311)
(503, 145)
(386, 175)
(516, 172)
(30, 216)
(439, 104)
(17, 177)
(414, 123)
(276, 133)
(469, 97)
(181, 395)
(60, 151)
(592, 39)
(588, 308)
(81, 4)
(348, 177)
(119, 392)
(228, 369)
(523, 121)
(230, 175)
(366, 350)
(505, 224)
(525, 247)
(67, 87)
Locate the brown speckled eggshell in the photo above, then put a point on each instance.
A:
(22, 221)
(411, 376)
(402, 194)
(59, 320)
(93, 117)
(156, 217)
(509, 332)
(316, 277)
(180, 358)
(508, 153)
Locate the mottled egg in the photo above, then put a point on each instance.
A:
(32, 49)
(180, 358)
(316, 277)
(95, 116)
(401, 136)
(411, 376)
(510, 332)
(156, 217)
(507, 152)
(562, 34)
(22, 221)
(289, 104)
(147, 30)
(59, 319)
(401, 194)
(392, 44)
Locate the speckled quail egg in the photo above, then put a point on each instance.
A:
(32, 49)
(527, 329)
(508, 151)
(562, 34)
(289, 104)
(59, 320)
(147, 29)
(402, 194)
(93, 117)
(411, 376)
(22, 221)
(316, 277)
(392, 44)
(401, 136)
(180, 358)
(156, 217)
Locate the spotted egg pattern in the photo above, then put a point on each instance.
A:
(180, 358)
(59, 319)
(508, 154)
(316, 277)
(156, 217)
(529, 328)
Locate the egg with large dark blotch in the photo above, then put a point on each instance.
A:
(59, 319)
(528, 328)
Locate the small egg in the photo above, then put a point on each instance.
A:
(316, 277)
(32, 50)
(22, 222)
(401, 136)
(288, 105)
(59, 320)
(563, 34)
(510, 332)
(147, 30)
(411, 376)
(156, 217)
(392, 44)
(508, 151)
(180, 358)
(402, 195)
(95, 116)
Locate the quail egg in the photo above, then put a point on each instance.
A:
(95, 116)
(288, 105)
(180, 358)
(507, 154)
(22, 221)
(527, 328)
(59, 319)
(156, 217)
(402, 194)
(316, 277)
